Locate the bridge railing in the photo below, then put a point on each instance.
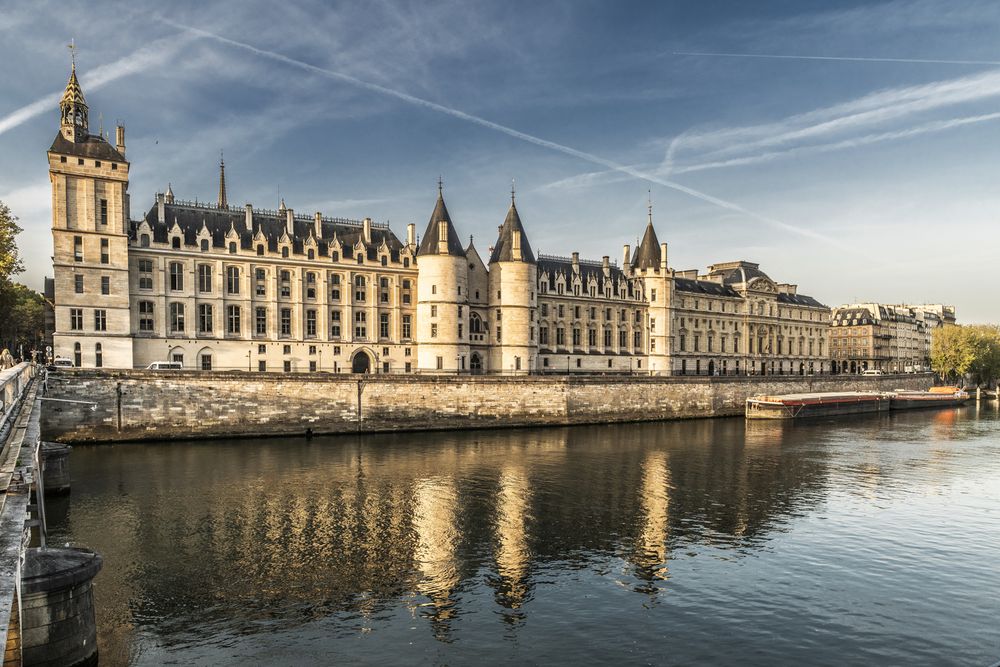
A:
(13, 383)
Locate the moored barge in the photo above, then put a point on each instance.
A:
(937, 397)
(825, 404)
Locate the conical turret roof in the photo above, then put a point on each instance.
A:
(429, 242)
(647, 255)
(503, 250)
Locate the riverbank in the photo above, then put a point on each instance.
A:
(131, 405)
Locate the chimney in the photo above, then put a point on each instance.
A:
(411, 234)
(663, 256)
(606, 263)
(515, 244)
(120, 139)
(290, 222)
(576, 262)
(318, 225)
(366, 230)
(442, 238)
(625, 255)
(249, 216)
(161, 214)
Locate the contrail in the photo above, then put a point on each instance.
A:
(923, 61)
(138, 60)
(517, 134)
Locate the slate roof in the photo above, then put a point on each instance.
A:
(502, 251)
(647, 255)
(799, 300)
(704, 287)
(845, 316)
(93, 146)
(218, 222)
(429, 243)
(556, 265)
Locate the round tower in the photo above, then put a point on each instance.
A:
(513, 282)
(442, 297)
(650, 264)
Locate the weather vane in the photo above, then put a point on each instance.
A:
(72, 51)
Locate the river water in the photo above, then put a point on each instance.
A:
(859, 541)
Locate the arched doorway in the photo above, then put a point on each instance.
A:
(476, 364)
(802, 368)
(361, 362)
(711, 368)
(854, 367)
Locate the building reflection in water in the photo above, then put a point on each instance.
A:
(512, 553)
(435, 502)
(654, 502)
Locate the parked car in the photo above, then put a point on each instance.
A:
(61, 362)
(872, 371)
(165, 366)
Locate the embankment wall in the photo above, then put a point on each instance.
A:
(165, 405)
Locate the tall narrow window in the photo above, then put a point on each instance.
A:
(233, 320)
(105, 252)
(78, 283)
(260, 319)
(205, 318)
(359, 288)
(233, 279)
(104, 211)
(260, 277)
(286, 322)
(310, 285)
(76, 319)
(100, 320)
(176, 276)
(286, 284)
(98, 355)
(311, 323)
(105, 285)
(204, 278)
(383, 325)
(177, 318)
(77, 248)
(145, 274)
(145, 316)
(407, 325)
(77, 355)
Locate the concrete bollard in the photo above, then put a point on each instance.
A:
(58, 626)
(55, 467)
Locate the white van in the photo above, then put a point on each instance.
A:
(62, 362)
(165, 366)
(872, 371)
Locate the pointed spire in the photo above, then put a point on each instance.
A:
(222, 182)
(649, 204)
(282, 207)
(647, 251)
(73, 106)
(429, 244)
(169, 197)
(503, 250)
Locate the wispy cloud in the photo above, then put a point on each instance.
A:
(511, 132)
(860, 59)
(151, 55)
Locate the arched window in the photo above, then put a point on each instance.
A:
(475, 323)
(77, 355)
(98, 355)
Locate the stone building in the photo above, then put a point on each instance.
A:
(214, 286)
(893, 338)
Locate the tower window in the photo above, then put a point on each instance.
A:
(105, 285)
(105, 252)
(104, 208)
(232, 248)
(176, 243)
(78, 284)
(77, 248)
(204, 245)
(62, 159)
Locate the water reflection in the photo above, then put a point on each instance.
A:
(204, 541)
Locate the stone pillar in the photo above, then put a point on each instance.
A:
(58, 626)
(55, 467)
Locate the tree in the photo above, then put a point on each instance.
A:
(958, 352)
(10, 258)
(22, 318)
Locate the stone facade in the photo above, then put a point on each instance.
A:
(884, 337)
(216, 287)
(142, 405)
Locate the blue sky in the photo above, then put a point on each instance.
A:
(858, 179)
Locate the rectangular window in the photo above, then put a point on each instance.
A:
(206, 362)
(286, 284)
(440, 363)
(145, 316)
(310, 285)
(434, 311)
(286, 322)
(359, 289)
(233, 279)
(204, 278)
(560, 336)
(260, 321)
(76, 319)
(592, 337)
(104, 211)
(100, 320)
(383, 325)
(406, 327)
(233, 320)
(204, 318)
(77, 248)
(434, 330)
(145, 274)
(262, 365)
(260, 276)
(177, 318)
(334, 324)
(576, 338)
(105, 285)
(683, 343)
(360, 325)
(312, 366)
(176, 276)
(311, 323)
(607, 339)
(622, 339)
(78, 283)
(105, 252)
(543, 336)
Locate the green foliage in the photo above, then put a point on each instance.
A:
(22, 317)
(10, 259)
(961, 351)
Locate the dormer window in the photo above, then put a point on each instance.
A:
(175, 243)
(144, 240)
(311, 254)
(284, 251)
(204, 245)
(232, 247)
(260, 249)
(334, 256)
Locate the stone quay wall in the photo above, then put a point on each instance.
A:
(135, 405)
